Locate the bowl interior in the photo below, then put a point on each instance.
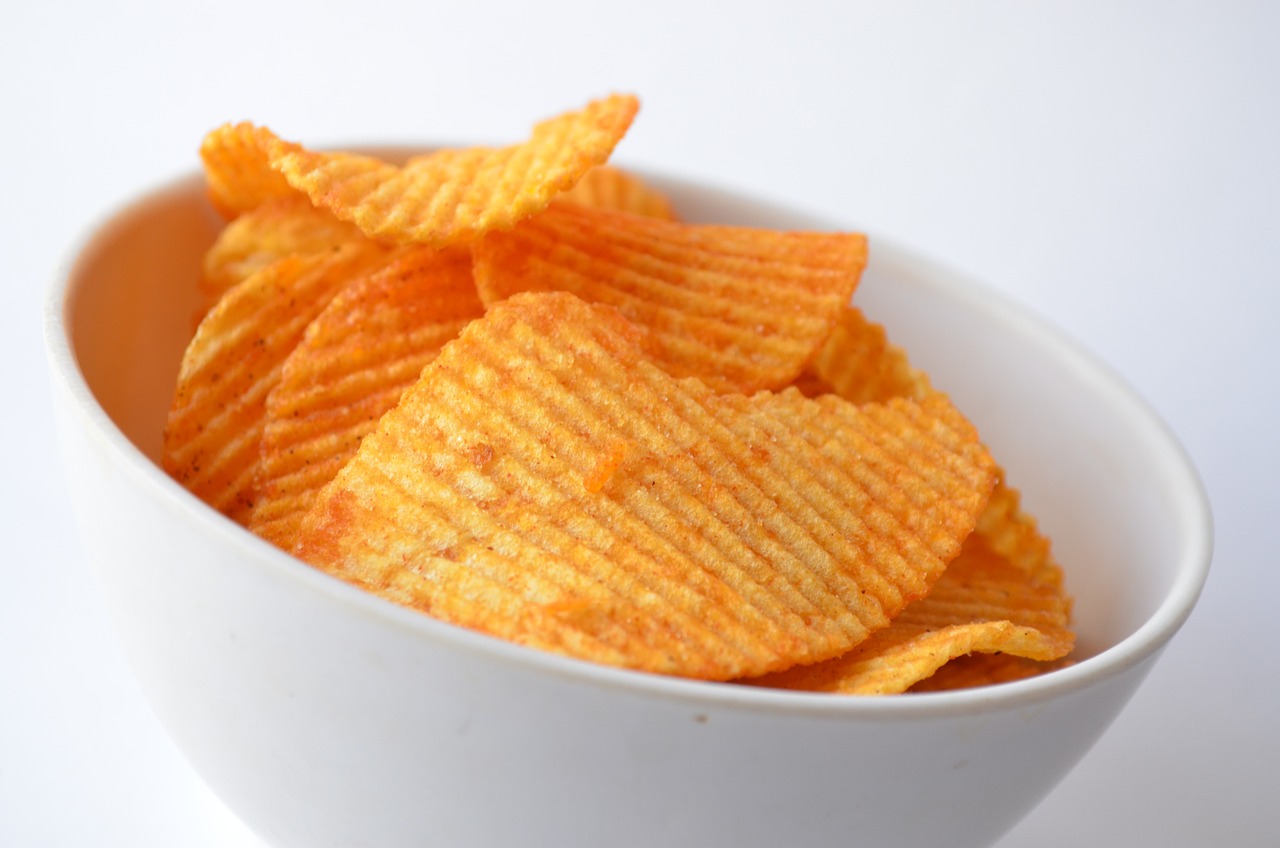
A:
(1104, 478)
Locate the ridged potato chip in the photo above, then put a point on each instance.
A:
(546, 483)
(859, 363)
(453, 196)
(741, 309)
(214, 427)
(605, 187)
(356, 358)
(669, 447)
(974, 670)
(276, 228)
(238, 170)
(981, 604)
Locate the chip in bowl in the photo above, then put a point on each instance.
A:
(511, 389)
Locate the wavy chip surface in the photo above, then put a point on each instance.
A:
(859, 363)
(275, 229)
(741, 309)
(984, 670)
(368, 345)
(237, 168)
(454, 196)
(215, 423)
(981, 604)
(605, 187)
(669, 447)
(545, 483)
(438, 199)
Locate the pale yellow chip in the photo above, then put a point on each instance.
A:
(369, 344)
(605, 187)
(545, 483)
(981, 604)
(211, 438)
(741, 309)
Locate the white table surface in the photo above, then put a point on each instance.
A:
(1113, 166)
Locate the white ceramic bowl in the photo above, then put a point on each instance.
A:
(325, 716)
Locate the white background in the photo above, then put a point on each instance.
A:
(1114, 166)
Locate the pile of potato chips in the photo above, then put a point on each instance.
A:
(509, 388)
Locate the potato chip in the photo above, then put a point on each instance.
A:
(276, 228)
(604, 187)
(1013, 534)
(211, 438)
(860, 364)
(974, 670)
(981, 603)
(741, 309)
(238, 169)
(369, 344)
(545, 483)
(453, 196)
(669, 447)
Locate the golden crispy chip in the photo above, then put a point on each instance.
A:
(370, 343)
(741, 309)
(860, 364)
(276, 228)
(1013, 534)
(212, 435)
(238, 169)
(975, 670)
(613, 482)
(605, 187)
(718, 542)
(453, 196)
(980, 604)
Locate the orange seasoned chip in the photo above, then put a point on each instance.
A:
(1013, 534)
(980, 604)
(605, 187)
(741, 309)
(453, 196)
(669, 447)
(211, 438)
(369, 344)
(546, 483)
(238, 169)
(974, 670)
(860, 364)
(276, 228)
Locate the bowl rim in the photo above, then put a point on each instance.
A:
(1191, 500)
